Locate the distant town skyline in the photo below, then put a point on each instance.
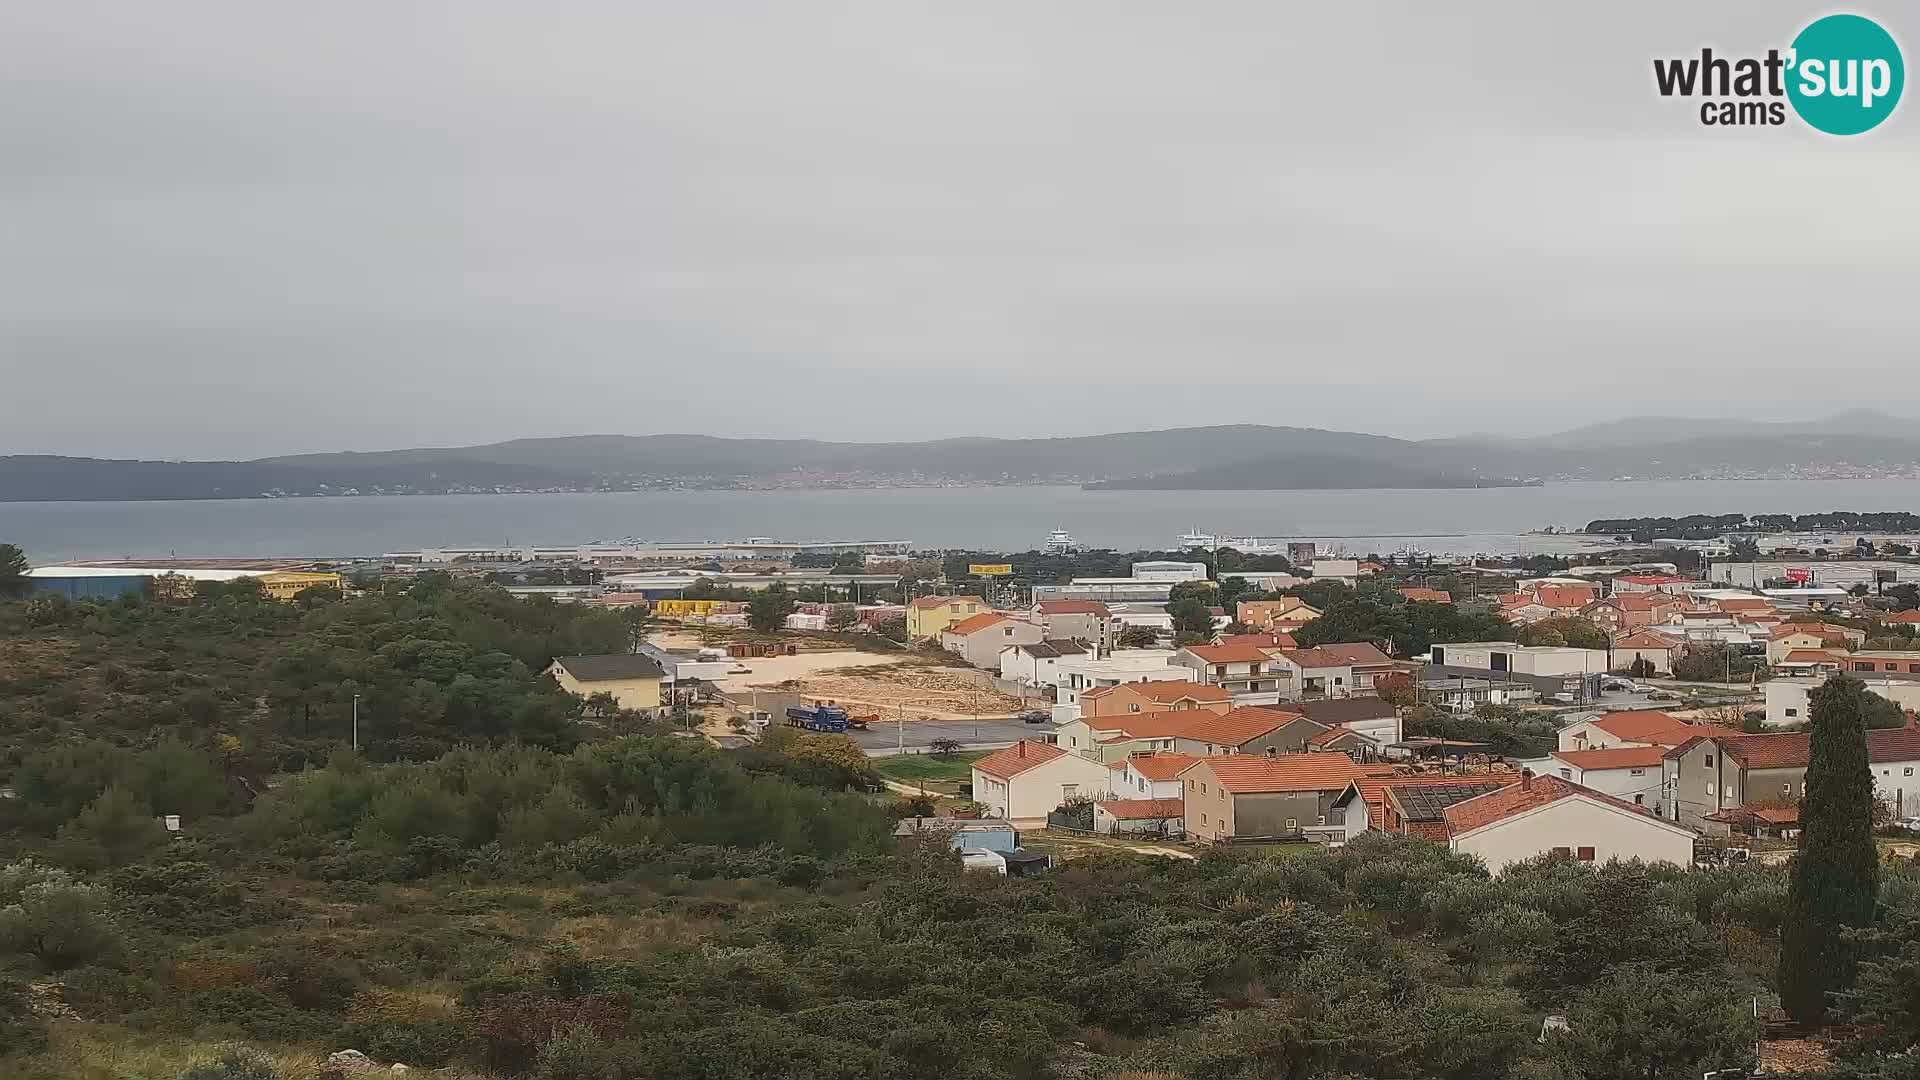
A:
(235, 231)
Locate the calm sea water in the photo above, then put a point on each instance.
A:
(1492, 520)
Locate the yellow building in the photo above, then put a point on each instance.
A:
(632, 679)
(929, 615)
(287, 584)
(669, 609)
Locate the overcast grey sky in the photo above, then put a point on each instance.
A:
(239, 228)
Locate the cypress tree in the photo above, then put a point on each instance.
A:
(1836, 876)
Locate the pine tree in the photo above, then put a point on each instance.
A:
(1836, 876)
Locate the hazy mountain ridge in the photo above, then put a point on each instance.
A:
(1224, 457)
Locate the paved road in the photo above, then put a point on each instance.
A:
(885, 738)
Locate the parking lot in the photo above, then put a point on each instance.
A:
(886, 738)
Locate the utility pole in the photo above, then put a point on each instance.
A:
(356, 723)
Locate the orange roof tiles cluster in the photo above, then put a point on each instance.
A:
(1646, 726)
(1018, 758)
(1530, 793)
(926, 603)
(1426, 596)
(1238, 727)
(1229, 654)
(975, 623)
(1274, 640)
(1168, 692)
(1159, 765)
(1616, 757)
(1073, 607)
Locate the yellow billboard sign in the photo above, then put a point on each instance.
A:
(998, 569)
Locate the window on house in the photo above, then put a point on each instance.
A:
(1586, 854)
(1193, 785)
(1068, 791)
(1793, 712)
(1133, 708)
(1636, 772)
(1566, 774)
(1709, 787)
(1562, 851)
(1639, 800)
(1203, 819)
(1908, 771)
(1786, 789)
(1293, 824)
(1709, 761)
(1323, 819)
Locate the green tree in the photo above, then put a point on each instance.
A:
(233, 1063)
(1744, 549)
(1136, 637)
(1836, 874)
(1191, 620)
(48, 915)
(842, 616)
(115, 829)
(767, 611)
(13, 572)
(1568, 630)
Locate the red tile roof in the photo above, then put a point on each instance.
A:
(1239, 727)
(1565, 597)
(1645, 639)
(1160, 765)
(1144, 809)
(1333, 736)
(1618, 757)
(1427, 596)
(1145, 725)
(1646, 726)
(1904, 617)
(1252, 774)
(1643, 601)
(1528, 794)
(1352, 652)
(1810, 656)
(1229, 654)
(1018, 758)
(1743, 603)
(975, 623)
(1072, 607)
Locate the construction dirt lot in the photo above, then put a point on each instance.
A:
(889, 684)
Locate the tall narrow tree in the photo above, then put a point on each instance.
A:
(1836, 875)
(13, 572)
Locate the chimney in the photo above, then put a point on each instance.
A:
(1526, 779)
(1023, 747)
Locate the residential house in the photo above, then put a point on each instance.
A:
(1788, 698)
(1630, 611)
(1163, 818)
(1344, 571)
(1249, 672)
(1365, 662)
(1028, 780)
(1150, 775)
(1075, 675)
(1903, 618)
(1110, 739)
(1426, 596)
(979, 639)
(1506, 656)
(1629, 727)
(1525, 612)
(1318, 673)
(632, 679)
(1630, 773)
(1365, 715)
(1076, 620)
(1283, 615)
(1152, 697)
(1796, 636)
(1636, 645)
(1249, 730)
(1244, 797)
(1730, 770)
(964, 834)
(1565, 599)
(1339, 740)
(1542, 815)
(929, 615)
(1038, 663)
(1810, 662)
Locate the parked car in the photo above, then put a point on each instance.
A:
(1036, 716)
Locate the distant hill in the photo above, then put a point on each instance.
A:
(1231, 457)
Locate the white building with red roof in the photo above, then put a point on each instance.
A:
(1542, 815)
(1028, 780)
(1633, 727)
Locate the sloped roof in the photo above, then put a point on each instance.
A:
(1331, 738)
(1229, 654)
(1353, 652)
(1072, 607)
(975, 623)
(1373, 789)
(1276, 640)
(1743, 603)
(1346, 710)
(1428, 596)
(1052, 648)
(1904, 617)
(1646, 726)
(1618, 757)
(1642, 601)
(1144, 809)
(1238, 727)
(1145, 725)
(1160, 765)
(1531, 794)
(613, 667)
(1790, 749)
(1429, 802)
(1018, 758)
(1644, 639)
(1810, 656)
(1565, 596)
(1253, 774)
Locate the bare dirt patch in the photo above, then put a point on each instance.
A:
(918, 692)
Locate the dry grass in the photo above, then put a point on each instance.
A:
(81, 1051)
(607, 936)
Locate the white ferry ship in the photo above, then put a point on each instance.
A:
(1059, 542)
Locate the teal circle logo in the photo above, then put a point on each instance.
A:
(1845, 74)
